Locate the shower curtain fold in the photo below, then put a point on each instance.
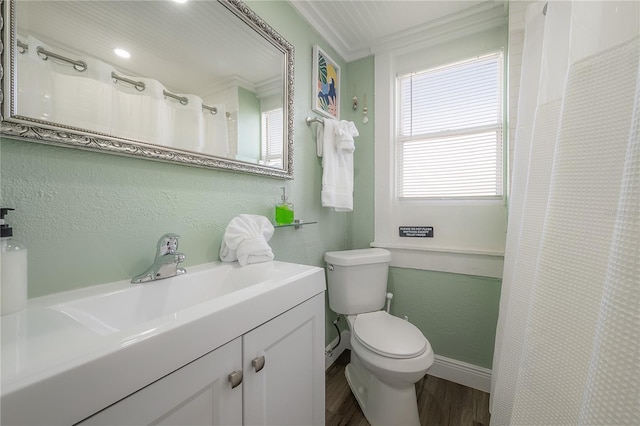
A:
(186, 123)
(567, 339)
(216, 132)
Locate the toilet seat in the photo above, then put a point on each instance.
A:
(389, 336)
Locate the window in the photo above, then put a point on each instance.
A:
(439, 148)
(272, 137)
(449, 131)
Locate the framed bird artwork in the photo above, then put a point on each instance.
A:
(325, 84)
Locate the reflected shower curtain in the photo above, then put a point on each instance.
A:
(186, 127)
(567, 343)
(54, 91)
(216, 132)
(137, 115)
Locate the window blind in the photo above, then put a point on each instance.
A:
(449, 136)
(272, 137)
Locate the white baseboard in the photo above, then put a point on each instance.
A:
(344, 344)
(446, 368)
(461, 372)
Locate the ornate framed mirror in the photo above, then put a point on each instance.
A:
(206, 83)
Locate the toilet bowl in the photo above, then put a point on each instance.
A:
(382, 374)
(388, 354)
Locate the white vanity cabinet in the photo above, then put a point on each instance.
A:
(197, 394)
(282, 367)
(289, 388)
(162, 352)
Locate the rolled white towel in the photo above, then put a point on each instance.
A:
(245, 240)
(227, 254)
(254, 250)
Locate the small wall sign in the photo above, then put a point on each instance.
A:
(416, 231)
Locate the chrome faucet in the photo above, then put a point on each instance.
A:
(166, 262)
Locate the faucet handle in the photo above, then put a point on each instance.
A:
(167, 244)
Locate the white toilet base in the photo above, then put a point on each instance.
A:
(381, 403)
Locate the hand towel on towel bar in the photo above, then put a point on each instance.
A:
(336, 147)
(245, 240)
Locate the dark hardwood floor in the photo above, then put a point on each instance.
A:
(440, 402)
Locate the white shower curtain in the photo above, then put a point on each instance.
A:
(568, 339)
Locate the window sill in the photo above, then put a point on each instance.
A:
(483, 263)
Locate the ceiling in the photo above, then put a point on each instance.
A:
(355, 28)
(190, 48)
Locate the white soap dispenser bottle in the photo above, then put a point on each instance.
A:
(13, 267)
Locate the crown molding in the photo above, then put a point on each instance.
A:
(310, 12)
(269, 87)
(483, 16)
(451, 27)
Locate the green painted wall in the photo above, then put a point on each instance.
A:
(249, 123)
(361, 84)
(90, 218)
(457, 313)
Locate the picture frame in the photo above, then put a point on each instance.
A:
(325, 83)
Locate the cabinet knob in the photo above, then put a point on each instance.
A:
(235, 378)
(258, 363)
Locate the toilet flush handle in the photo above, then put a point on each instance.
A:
(329, 267)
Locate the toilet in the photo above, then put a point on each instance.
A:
(388, 354)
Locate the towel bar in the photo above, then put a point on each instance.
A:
(314, 120)
(297, 224)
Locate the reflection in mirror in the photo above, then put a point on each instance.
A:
(206, 83)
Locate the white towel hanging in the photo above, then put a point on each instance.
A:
(336, 146)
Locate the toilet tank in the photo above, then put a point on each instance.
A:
(357, 279)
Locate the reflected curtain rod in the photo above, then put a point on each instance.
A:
(140, 86)
(82, 66)
(44, 54)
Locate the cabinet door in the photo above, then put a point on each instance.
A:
(289, 388)
(199, 393)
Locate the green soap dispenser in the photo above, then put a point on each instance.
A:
(284, 210)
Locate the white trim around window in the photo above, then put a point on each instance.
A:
(469, 235)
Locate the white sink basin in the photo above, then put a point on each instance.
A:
(81, 339)
(123, 309)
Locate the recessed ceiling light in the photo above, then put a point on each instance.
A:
(122, 53)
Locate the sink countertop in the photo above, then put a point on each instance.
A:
(68, 355)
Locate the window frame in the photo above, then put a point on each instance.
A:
(266, 143)
(471, 130)
(469, 234)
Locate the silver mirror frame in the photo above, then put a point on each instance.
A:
(29, 129)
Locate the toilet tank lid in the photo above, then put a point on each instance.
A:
(358, 257)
